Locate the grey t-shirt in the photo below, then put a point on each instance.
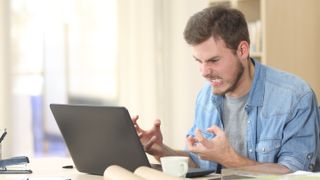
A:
(234, 119)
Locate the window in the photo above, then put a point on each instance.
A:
(63, 51)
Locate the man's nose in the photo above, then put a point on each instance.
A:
(205, 70)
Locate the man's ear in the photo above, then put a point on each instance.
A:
(243, 50)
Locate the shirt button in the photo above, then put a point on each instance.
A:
(250, 150)
(263, 149)
(309, 156)
(248, 121)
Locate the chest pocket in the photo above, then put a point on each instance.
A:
(267, 150)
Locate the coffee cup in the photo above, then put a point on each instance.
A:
(175, 165)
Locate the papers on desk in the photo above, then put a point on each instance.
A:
(263, 174)
(27, 177)
(298, 175)
(116, 172)
(48, 178)
(305, 174)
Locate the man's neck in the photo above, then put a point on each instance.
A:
(245, 82)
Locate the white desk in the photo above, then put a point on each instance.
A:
(50, 168)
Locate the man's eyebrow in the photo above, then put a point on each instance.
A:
(210, 59)
(195, 58)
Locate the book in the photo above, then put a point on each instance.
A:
(116, 172)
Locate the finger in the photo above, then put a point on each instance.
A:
(148, 145)
(134, 119)
(135, 124)
(192, 145)
(140, 135)
(201, 139)
(215, 130)
(157, 123)
(156, 126)
(198, 135)
(138, 129)
(191, 141)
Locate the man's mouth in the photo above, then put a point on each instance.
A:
(216, 82)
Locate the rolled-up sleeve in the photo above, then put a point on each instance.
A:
(300, 143)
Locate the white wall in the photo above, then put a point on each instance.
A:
(185, 78)
(158, 76)
(137, 59)
(4, 74)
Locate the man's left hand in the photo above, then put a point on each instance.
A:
(216, 149)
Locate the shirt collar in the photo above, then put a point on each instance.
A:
(257, 89)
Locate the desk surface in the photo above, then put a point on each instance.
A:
(50, 168)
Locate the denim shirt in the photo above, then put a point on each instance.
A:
(283, 120)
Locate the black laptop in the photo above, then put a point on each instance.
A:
(100, 136)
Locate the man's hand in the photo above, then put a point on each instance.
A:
(151, 140)
(217, 149)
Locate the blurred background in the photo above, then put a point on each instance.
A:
(127, 53)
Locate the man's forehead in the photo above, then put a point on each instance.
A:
(209, 48)
(212, 41)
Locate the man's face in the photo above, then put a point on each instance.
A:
(219, 65)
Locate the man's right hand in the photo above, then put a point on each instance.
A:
(151, 140)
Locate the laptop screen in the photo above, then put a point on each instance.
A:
(99, 136)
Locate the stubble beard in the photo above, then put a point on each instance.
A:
(235, 83)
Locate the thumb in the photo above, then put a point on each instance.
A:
(201, 139)
(157, 123)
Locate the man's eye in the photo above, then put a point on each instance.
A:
(199, 61)
(213, 60)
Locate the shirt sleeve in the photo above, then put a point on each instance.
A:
(300, 144)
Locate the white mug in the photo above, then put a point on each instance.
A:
(175, 165)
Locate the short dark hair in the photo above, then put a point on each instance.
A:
(220, 22)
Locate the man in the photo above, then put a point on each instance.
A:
(247, 114)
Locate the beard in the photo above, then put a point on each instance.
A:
(234, 83)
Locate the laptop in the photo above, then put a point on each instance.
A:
(100, 136)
